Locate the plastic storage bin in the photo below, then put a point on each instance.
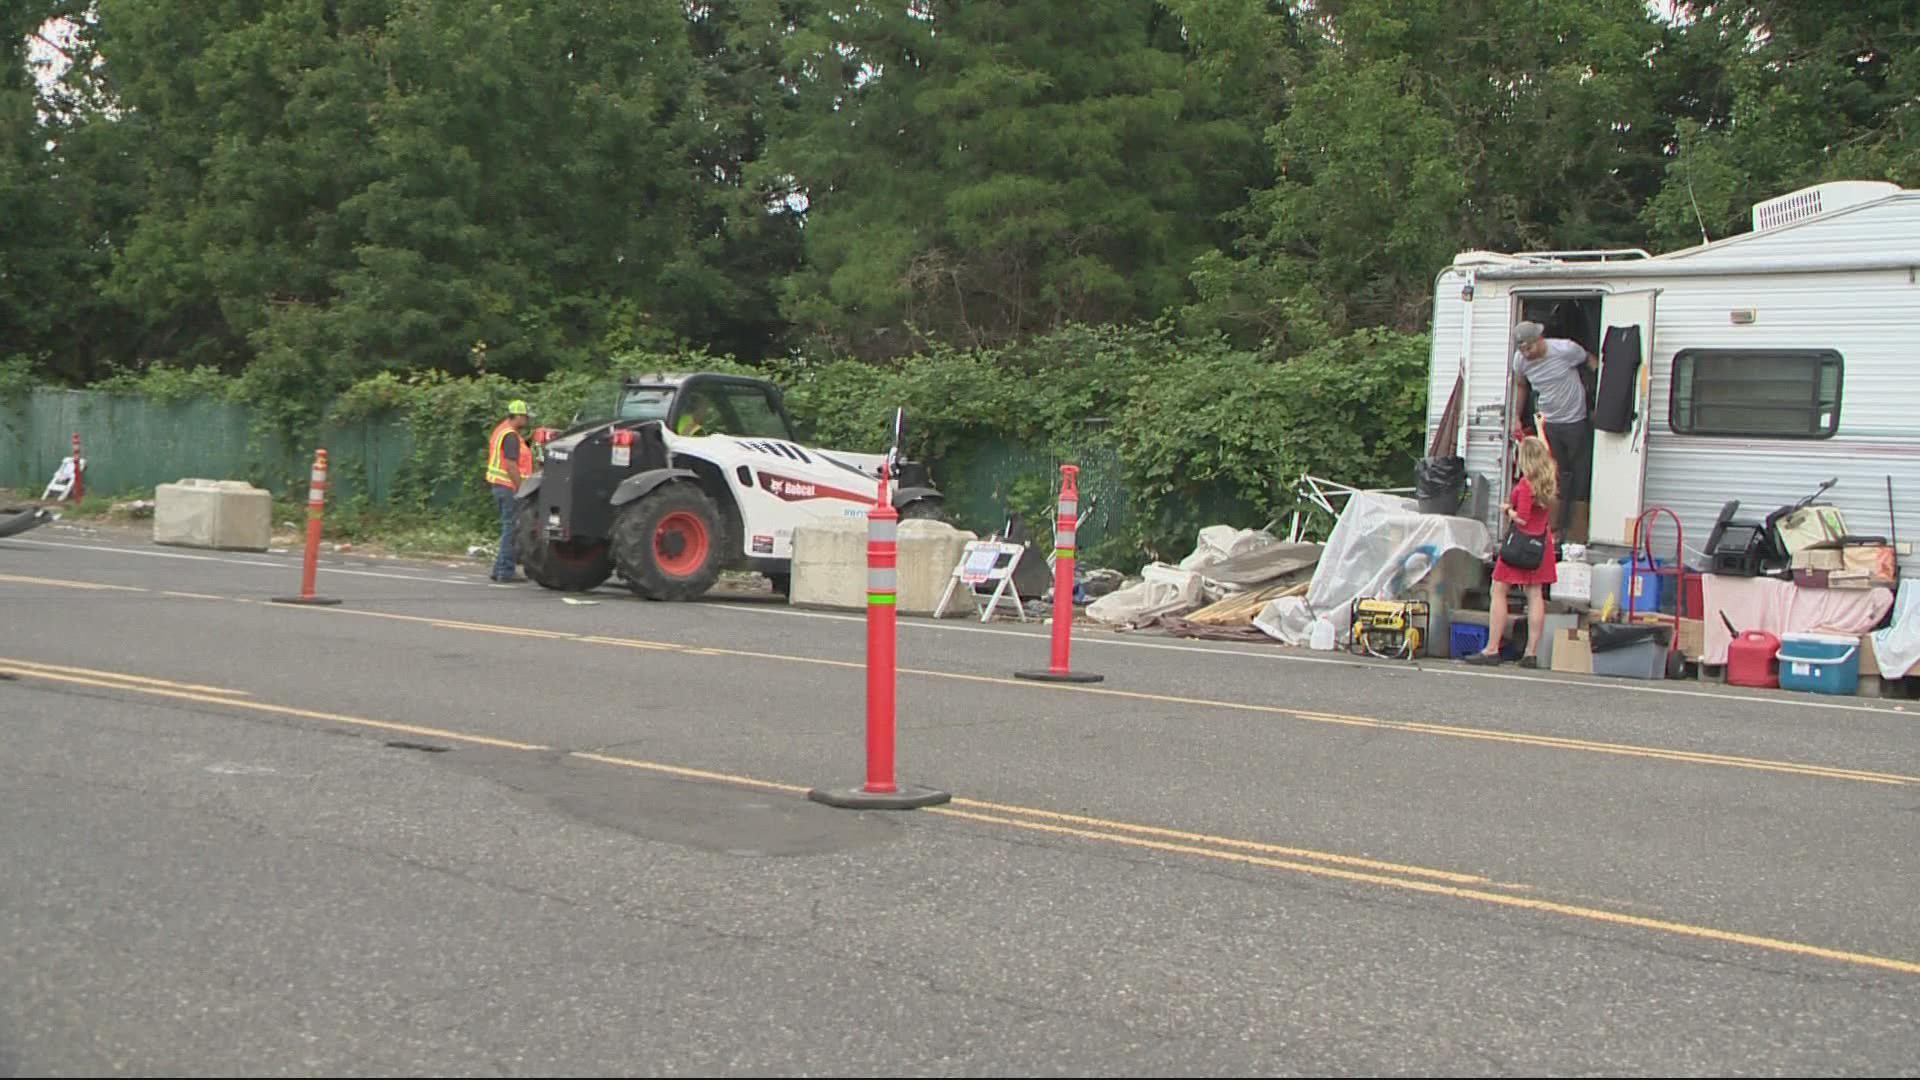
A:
(1466, 639)
(1819, 663)
(1644, 656)
(1646, 584)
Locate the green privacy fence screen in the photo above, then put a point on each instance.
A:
(135, 444)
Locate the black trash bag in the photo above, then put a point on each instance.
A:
(1606, 637)
(1440, 484)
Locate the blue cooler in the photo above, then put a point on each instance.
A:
(1819, 663)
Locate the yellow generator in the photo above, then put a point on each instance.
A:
(1389, 629)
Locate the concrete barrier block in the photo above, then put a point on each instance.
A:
(929, 550)
(225, 515)
(830, 564)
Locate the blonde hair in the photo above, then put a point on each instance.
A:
(1536, 464)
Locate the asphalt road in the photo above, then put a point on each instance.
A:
(451, 829)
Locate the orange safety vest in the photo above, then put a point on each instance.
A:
(497, 474)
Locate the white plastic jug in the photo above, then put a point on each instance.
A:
(1608, 580)
(1324, 637)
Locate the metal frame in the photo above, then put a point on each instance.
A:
(1321, 492)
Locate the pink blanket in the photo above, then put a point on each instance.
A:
(1781, 607)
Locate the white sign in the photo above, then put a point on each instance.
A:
(61, 485)
(983, 561)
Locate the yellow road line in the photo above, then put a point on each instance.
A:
(1527, 903)
(685, 773)
(1250, 853)
(59, 669)
(1550, 742)
(630, 643)
(14, 667)
(62, 583)
(514, 631)
(1223, 841)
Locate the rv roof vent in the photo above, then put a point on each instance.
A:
(1818, 199)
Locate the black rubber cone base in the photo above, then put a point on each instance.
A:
(1059, 676)
(904, 797)
(312, 601)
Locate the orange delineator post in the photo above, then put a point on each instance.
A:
(316, 512)
(881, 792)
(1065, 545)
(79, 481)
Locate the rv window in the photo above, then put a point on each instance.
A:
(1756, 393)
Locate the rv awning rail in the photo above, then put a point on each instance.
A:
(1682, 268)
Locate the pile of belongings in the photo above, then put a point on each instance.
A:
(1381, 547)
(1230, 577)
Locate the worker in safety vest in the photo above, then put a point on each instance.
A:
(509, 462)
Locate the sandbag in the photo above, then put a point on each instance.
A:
(1620, 357)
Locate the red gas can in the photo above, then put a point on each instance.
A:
(1750, 660)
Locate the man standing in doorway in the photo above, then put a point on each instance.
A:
(509, 462)
(1552, 367)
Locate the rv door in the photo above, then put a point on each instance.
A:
(1620, 457)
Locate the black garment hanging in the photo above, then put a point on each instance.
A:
(1613, 407)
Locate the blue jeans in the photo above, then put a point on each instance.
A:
(503, 562)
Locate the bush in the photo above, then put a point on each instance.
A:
(1176, 432)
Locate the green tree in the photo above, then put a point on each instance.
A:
(339, 187)
(1421, 128)
(1799, 94)
(65, 193)
(986, 170)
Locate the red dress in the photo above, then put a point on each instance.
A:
(1533, 521)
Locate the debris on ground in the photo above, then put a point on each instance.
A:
(1238, 609)
(577, 601)
(1098, 583)
(1226, 564)
(1382, 547)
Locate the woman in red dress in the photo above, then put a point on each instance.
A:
(1529, 509)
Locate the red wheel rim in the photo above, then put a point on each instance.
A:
(680, 543)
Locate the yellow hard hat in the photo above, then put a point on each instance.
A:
(516, 407)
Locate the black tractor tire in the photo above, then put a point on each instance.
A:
(670, 543)
(569, 566)
(925, 510)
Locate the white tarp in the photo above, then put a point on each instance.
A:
(1162, 590)
(1897, 648)
(1382, 547)
(1218, 543)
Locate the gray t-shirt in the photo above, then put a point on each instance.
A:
(1562, 397)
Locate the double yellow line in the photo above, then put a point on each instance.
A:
(1407, 878)
(1410, 727)
(238, 699)
(1250, 853)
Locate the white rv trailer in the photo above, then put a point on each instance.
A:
(1773, 361)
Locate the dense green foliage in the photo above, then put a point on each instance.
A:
(1195, 231)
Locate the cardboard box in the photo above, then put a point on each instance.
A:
(1572, 652)
(1841, 565)
(1693, 633)
(1869, 663)
(1819, 558)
